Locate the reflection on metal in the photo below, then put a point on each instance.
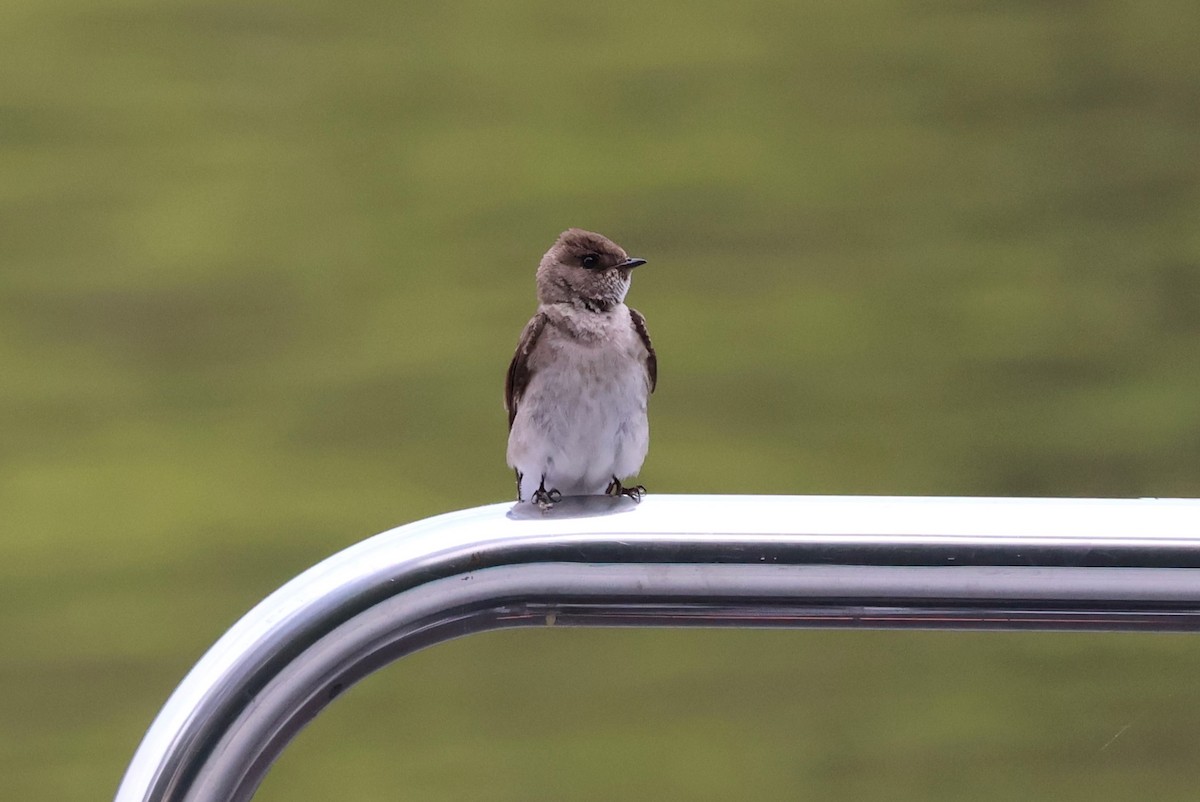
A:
(744, 561)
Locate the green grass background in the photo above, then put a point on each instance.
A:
(262, 266)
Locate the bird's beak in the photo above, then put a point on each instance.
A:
(632, 261)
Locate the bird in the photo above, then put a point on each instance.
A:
(578, 385)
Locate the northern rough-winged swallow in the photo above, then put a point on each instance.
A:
(578, 384)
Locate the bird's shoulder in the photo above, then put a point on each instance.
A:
(520, 368)
(643, 333)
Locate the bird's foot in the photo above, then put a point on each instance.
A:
(545, 499)
(636, 492)
(616, 489)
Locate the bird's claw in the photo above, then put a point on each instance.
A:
(615, 489)
(545, 499)
(634, 493)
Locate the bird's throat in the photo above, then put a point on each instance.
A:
(598, 305)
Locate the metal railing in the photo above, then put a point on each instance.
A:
(743, 561)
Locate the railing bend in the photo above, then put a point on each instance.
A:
(747, 561)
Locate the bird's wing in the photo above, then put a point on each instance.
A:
(639, 325)
(518, 370)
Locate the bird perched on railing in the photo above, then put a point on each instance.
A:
(579, 381)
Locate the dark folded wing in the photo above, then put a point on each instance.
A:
(518, 370)
(639, 325)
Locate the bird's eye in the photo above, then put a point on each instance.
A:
(590, 260)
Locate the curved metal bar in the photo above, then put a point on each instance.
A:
(674, 560)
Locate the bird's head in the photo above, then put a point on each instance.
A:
(586, 269)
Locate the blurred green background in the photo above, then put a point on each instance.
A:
(262, 266)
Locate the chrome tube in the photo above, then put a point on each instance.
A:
(746, 561)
